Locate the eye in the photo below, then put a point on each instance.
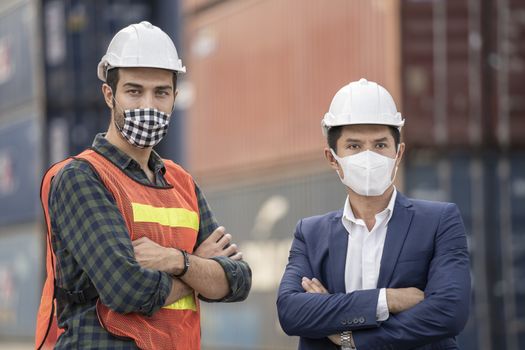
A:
(163, 93)
(133, 91)
(354, 146)
(381, 145)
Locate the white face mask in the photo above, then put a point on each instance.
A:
(367, 173)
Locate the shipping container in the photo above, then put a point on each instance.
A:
(489, 189)
(20, 256)
(19, 80)
(76, 36)
(463, 68)
(20, 170)
(449, 178)
(264, 73)
(505, 69)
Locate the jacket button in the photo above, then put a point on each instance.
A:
(361, 319)
(343, 322)
(356, 321)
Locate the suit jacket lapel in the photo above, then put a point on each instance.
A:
(337, 249)
(395, 238)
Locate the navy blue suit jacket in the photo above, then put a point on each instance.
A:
(425, 247)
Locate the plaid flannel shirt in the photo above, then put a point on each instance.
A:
(92, 245)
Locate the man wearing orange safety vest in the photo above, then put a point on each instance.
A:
(132, 244)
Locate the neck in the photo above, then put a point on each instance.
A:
(140, 155)
(365, 207)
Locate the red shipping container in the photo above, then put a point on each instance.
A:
(264, 73)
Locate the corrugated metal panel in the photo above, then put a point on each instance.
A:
(17, 56)
(76, 37)
(435, 55)
(463, 68)
(489, 189)
(432, 176)
(262, 218)
(264, 74)
(20, 254)
(19, 171)
(506, 59)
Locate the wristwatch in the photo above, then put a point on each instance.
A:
(186, 264)
(347, 341)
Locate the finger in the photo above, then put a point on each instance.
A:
(315, 288)
(306, 283)
(217, 234)
(319, 285)
(225, 240)
(237, 256)
(231, 250)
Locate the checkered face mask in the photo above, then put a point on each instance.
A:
(144, 127)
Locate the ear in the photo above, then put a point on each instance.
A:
(108, 95)
(331, 160)
(400, 153)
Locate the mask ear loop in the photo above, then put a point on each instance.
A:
(396, 168)
(339, 161)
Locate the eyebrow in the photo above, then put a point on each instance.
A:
(382, 139)
(133, 85)
(138, 86)
(352, 140)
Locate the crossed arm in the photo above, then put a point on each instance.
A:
(398, 299)
(94, 248)
(204, 276)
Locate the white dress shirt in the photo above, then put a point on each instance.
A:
(364, 252)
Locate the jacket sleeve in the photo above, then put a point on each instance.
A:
(444, 311)
(238, 272)
(86, 220)
(319, 315)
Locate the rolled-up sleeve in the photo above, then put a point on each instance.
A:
(238, 272)
(86, 219)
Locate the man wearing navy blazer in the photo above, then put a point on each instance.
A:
(386, 271)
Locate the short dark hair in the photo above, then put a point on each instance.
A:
(112, 79)
(334, 133)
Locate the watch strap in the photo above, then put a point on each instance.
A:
(186, 264)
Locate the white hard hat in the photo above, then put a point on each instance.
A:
(362, 102)
(140, 45)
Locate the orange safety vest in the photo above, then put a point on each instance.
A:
(168, 216)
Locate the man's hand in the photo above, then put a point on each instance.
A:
(401, 299)
(153, 256)
(315, 286)
(218, 244)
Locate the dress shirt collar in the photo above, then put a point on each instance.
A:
(348, 213)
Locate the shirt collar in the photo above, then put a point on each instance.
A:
(122, 159)
(348, 213)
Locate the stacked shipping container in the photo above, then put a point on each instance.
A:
(462, 95)
(20, 124)
(263, 73)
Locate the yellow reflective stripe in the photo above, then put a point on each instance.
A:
(184, 303)
(172, 217)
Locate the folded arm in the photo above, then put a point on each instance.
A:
(319, 315)
(217, 272)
